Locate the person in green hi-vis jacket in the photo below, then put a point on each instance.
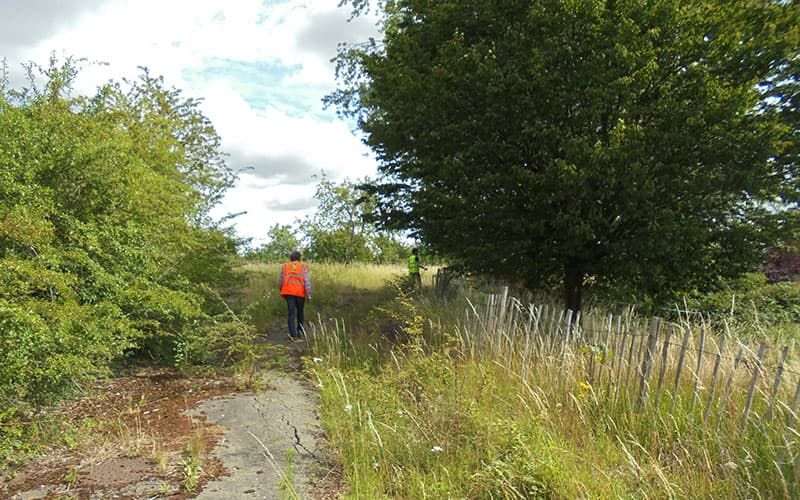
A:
(413, 268)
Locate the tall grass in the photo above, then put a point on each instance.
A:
(344, 292)
(493, 402)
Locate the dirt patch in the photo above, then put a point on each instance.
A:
(130, 431)
(159, 434)
(117, 472)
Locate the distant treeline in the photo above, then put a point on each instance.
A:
(343, 229)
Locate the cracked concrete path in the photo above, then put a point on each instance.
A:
(263, 432)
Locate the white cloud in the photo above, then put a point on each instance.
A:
(286, 152)
(274, 124)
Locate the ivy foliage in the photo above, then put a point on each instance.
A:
(106, 250)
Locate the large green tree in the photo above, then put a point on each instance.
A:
(631, 142)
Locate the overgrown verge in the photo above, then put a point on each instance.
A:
(467, 410)
(107, 256)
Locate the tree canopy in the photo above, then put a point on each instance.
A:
(644, 144)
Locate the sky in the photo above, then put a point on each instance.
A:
(260, 66)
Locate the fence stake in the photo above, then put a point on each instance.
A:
(729, 384)
(621, 349)
(778, 376)
(647, 363)
(752, 391)
(663, 370)
(681, 359)
(630, 355)
(503, 307)
(564, 339)
(554, 322)
(795, 403)
(604, 364)
(619, 338)
(589, 343)
(713, 387)
(699, 365)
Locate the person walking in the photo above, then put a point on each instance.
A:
(414, 266)
(295, 286)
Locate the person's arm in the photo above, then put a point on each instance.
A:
(280, 280)
(307, 281)
(420, 264)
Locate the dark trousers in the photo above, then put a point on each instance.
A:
(296, 305)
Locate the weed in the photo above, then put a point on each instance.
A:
(161, 457)
(192, 472)
(287, 478)
(191, 464)
(72, 476)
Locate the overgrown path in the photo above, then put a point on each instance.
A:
(269, 445)
(157, 434)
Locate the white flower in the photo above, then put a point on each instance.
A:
(348, 407)
(316, 360)
(375, 465)
(437, 449)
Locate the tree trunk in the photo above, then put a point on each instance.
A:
(573, 286)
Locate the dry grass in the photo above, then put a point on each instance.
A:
(513, 401)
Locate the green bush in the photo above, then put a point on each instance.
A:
(751, 299)
(106, 248)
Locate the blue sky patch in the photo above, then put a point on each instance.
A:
(261, 84)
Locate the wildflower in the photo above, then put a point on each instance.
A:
(437, 449)
(348, 408)
(375, 465)
(585, 386)
(316, 360)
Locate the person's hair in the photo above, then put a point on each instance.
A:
(414, 250)
(294, 255)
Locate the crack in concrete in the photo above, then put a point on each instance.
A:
(278, 420)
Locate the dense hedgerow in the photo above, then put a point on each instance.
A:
(106, 251)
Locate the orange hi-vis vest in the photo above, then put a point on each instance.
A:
(294, 282)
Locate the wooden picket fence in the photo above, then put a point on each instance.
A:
(647, 364)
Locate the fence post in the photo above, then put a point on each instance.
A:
(681, 359)
(590, 340)
(729, 384)
(778, 375)
(795, 403)
(663, 370)
(630, 355)
(699, 364)
(753, 381)
(624, 334)
(604, 365)
(711, 391)
(647, 362)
